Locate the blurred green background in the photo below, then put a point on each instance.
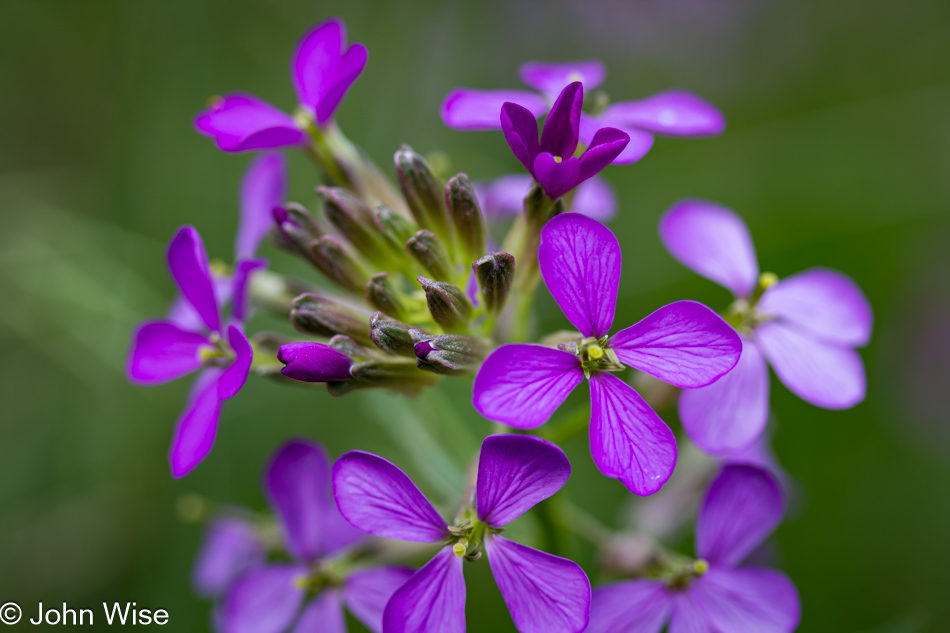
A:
(837, 154)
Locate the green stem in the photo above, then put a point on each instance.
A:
(554, 539)
(576, 423)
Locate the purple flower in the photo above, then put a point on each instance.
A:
(545, 593)
(323, 69)
(314, 362)
(672, 113)
(162, 351)
(503, 197)
(231, 547)
(806, 326)
(685, 344)
(551, 161)
(741, 508)
(268, 598)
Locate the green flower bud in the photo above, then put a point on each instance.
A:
(448, 354)
(429, 251)
(448, 305)
(322, 317)
(466, 216)
(331, 258)
(390, 335)
(423, 191)
(495, 273)
(357, 223)
(382, 295)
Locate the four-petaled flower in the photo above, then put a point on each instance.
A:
(741, 508)
(806, 326)
(231, 547)
(545, 593)
(684, 343)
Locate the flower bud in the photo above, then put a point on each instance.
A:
(429, 251)
(329, 256)
(448, 354)
(314, 362)
(397, 228)
(466, 216)
(423, 191)
(357, 223)
(390, 335)
(398, 374)
(351, 348)
(382, 295)
(294, 228)
(448, 305)
(494, 272)
(321, 317)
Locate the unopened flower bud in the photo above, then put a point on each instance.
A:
(294, 228)
(431, 253)
(495, 273)
(322, 317)
(423, 191)
(382, 295)
(466, 216)
(357, 223)
(397, 374)
(390, 335)
(397, 228)
(448, 305)
(314, 362)
(329, 256)
(449, 354)
(351, 348)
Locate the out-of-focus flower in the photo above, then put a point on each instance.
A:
(685, 344)
(504, 197)
(232, 546)
(806, 326)
(545, 593)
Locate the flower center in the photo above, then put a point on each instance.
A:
(469, 534)
(218, 354)
(742, 314)
(596, 356)
(558, 159)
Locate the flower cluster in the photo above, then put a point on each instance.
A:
(419, 279)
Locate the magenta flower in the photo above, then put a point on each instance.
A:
(551, 161)
(323, 69)
(268, 598)
(504, 197)
(314, 362)
(806, 326)
(741, 508)
(231, 547)
(672, 113)
(545, 593)
(685, 344)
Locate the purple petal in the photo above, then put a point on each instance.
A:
(731, 413)
(240, 304)
(823, 302)
(314, 362)
(240, 123)
(196, 428)
(431, 601)
(740, 509)
(324, 614)
(544, 593)
(366, 593)
(522, 385)
(231, 547)
(188, 264)
(521, 132)
(515, 472)
(264, 187)
(580, 261)
(628, 440)
(640, 141)
(377, 497)
(562, 127)
(234, 377)
(684, 343)
(466, 109)
(556, 178)
(505, 196)
(674, 113)
(265, 600)
(338, 533)
(161, 351)
(594, 198)
(824, 374)
(314, 64)
(550, 78)
(183, 314)
(605, 147)
(297, 486)
(712, 241)
(350, 67)
(632, 606)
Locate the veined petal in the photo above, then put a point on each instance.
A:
(632, 606)
(314, 362)
(263, 188)
(431, 601)
(230, 548)
(161, 351)
(466, 109)
(188, 264)
(544, 593)
(240, 123)
(684, 343)
(825, 374)
(324, 614)
(731, 413)
(825, 303)
(521, 132)
(297, 485)
(515, 472)
(562, 127)
(712, 241)
(266, 600)
(556, 178)
(198, 425)
(366, 593)
(550, 78)
(740, 509)
(596, 199)
(522, 385)
(350, 67)
(504, 196)
(234, 377)
(580, 261)
(628, 440)
(673, 113)
(377, 497)
(608, 143)
(240, 303)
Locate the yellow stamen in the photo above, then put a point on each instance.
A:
(767, 279)
(701, 567)
(558, 159)
(595, 353)
(460, 548)
(302, 581)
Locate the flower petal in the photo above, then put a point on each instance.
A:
(161, 351)
(712, 241)
(596, 199)
(515, 472)
(431, 601)
(556, 178)
(183, 314)
(324, 614)
(825, 303)
(240, 123)
(504, 196)
(544, 593)
(740, 509)
(266, 600)
(562, 127)
(188, 264)
(608, 143)
(234, 377)
(466, 109)
(521, 132)
(731, 413)
(367, 591)
(640, 140)
(674, 113)
(198, 425)
(314, 362)
(580, 261)
(522, 385)
(684, 343)
(349, 69)
(314, 64)
(632, 606)
(824, 374)
(230, 548)
(264, 187)
(628, 440)
(550, 78)
(377, 497)
(240, 303)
